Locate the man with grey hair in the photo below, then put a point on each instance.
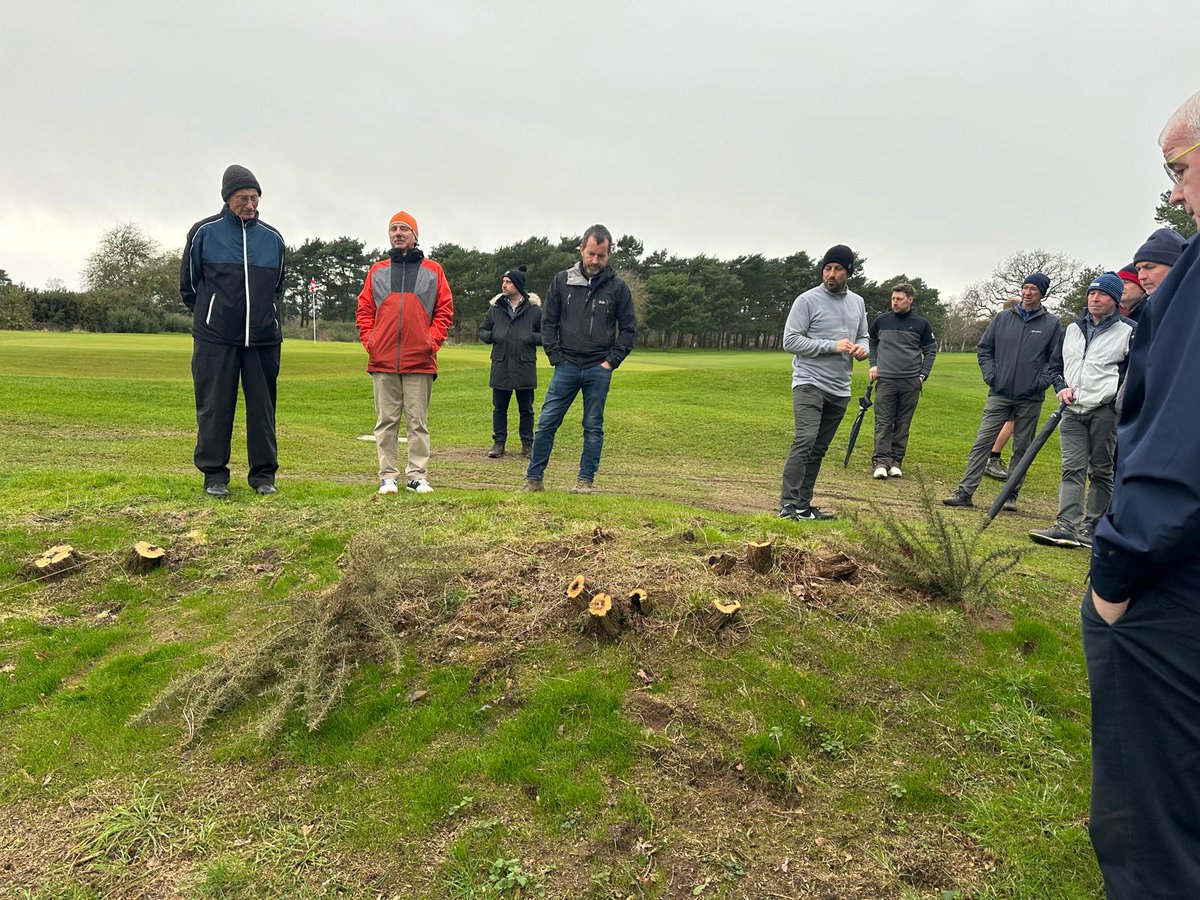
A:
(1141, 617)
(826, 331)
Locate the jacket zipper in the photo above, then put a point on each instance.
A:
(208, 318)
(246, 272)
(400, 316)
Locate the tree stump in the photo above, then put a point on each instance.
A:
(60, 559)
(606, 617)
(760, 556)
(579, 593)
(639, 602)
(838, 566)
(143, 557)
(721, 563)
(720, 614)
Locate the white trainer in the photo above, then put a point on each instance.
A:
(419, 486)
(895, 472)
(389, 486)
(880, 472)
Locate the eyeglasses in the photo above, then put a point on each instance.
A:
(1177, 177)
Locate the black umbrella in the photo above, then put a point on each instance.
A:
(1018, 469)
(864, 403)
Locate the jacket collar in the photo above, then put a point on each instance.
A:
(576, 276)
(228, 216)
(406, 256)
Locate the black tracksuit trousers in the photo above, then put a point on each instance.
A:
(216, 371)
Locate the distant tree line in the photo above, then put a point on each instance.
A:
(131, 284)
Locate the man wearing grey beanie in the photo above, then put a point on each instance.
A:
(231, 280)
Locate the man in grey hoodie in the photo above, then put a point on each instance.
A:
(826, 331)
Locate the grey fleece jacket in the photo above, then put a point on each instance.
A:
(818, 320)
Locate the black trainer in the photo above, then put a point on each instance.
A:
(1055, 536)
(958, 498)
(1010, 505)
(813, 514)
(266, 488)
(995, 469)
(1085, 536)
(217, 490)
(787, 512)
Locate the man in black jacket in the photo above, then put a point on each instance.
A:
(513, 326)
(231, 280)
(1014, 355)
(588, 327)
(902, 350)
(1141, 618)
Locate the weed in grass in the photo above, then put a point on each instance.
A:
(128, 832)
(506, 877)
(937, 556)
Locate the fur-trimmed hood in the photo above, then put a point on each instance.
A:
(534, 299)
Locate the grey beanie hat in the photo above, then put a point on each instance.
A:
(236, 178)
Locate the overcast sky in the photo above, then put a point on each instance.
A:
(934, 138)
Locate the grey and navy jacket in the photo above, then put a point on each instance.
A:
(902, 345)
(1016, 354)
(514, 333)
(231, 280)
(1094, 366)
(1149, 541)
(586, 321)
(818, 319)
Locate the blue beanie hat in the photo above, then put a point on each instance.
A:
(1039, 281)
(1110, 283)
(1164, 246)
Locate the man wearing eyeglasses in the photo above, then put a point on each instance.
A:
(231, 281)
(1141, 617)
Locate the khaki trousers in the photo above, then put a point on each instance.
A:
(407, 394)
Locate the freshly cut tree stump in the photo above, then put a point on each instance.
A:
(58, 560)
(838, 566)
(639, 602)
(721, 563)
(143, 557)
(720, 614)
(579, 593)
(606, 616)
(760, 556)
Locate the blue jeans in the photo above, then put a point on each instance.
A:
(567, 381)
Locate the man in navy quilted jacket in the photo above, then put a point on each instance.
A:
(231, 280)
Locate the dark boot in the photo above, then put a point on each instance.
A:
(497, 450)
(526, 448)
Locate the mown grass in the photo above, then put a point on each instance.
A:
(942, 750)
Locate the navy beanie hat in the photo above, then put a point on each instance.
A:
(236, 178)
(840, 254)
(517, 277)
(1039, 281)
(1164, 246)
(1110, 283)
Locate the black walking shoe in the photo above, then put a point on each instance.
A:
(958, 498)
(1055, 536)
(217, 491)
(1085, 536)
(526, 448)
(813, 514)
(497, 450)
(1010, 505)
(266, 489)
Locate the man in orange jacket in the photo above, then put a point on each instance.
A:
(405, 310)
